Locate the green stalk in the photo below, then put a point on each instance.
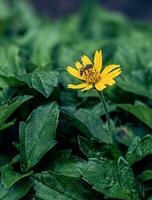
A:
(105, 109)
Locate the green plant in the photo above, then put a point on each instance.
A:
(54, 143)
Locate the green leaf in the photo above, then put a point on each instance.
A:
(139, 110)
(6, 94)
(65, 164)
(95, 149)
(16, 192)
(10, 62)
(7, 125)
(7, 109)
(37, 134)
(88, 124)
(134, 78)
(4, 159)
(137, 81)
(145, 175)
(53, 186)
(98, 109)
(139, 149)
(45, 39)
(9, 177)
(42, 80)
(113, 179)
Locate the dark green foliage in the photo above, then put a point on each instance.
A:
(54, 142)
(140, 110)
(145, 175)
(37, 134)
(94, 148)
(53, 186)
(139, 149)
(113, 179)
(9, 177)
(16, 192)
(7, 109)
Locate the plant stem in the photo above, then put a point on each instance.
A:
(106, 109)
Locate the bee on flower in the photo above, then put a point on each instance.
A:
(93, 74)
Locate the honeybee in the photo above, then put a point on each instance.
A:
(84, 68)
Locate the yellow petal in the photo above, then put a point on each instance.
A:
(107, 79)
(109, 82)
(78, 65)
(87, 88)
(109, 68)
(100, 85)
(113, 74)
(79, 86)
(74, 72)
(98, 60)
(85, 60)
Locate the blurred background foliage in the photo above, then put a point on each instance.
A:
(138, 9)
(34, 53)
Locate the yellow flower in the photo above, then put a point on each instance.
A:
(93, 75)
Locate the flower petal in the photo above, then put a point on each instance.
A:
(78, 65)
(98, 60)
(100, 85)
(74, 72)
(107, 79)
(109, 68)
(113, 74)
(87, 88)
(85, 60)
(78, 86)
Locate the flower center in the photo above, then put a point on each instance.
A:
(90, 74)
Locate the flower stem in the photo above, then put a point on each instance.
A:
(105, 109)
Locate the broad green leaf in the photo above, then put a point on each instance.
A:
(10, 62)
(7, 109)
(37, 134)
(135, 78)
(137, 81)
(113, 179)
(4, 159)
(64, 163)
(139, 110)
(145, 175)
(139, 149)
(6, 94)
(93, 149)
(16, 192)
(42, 80)
(53, 186)
(94, 125)
(9, 177)
(89, 125)
(126, 56)
(11, 80)
(98, 109)
(7, 125)
(46, 38)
